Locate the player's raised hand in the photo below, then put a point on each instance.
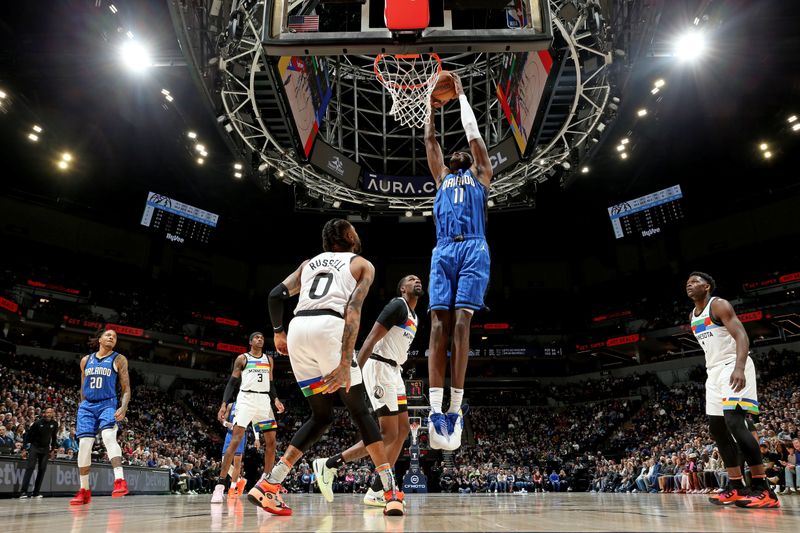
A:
(339, 378)
(457, 83)
(280, 343)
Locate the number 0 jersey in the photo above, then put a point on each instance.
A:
(326, 283)
(255, 374)
(100, 377)
(459, 208)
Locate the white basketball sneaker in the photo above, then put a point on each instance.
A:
(438, 435)
(374, 498)
(324, 477)
(219, 494)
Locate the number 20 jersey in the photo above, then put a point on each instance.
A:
(326, 283)
(100, 378)
(460, 206)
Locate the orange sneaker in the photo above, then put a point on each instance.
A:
(267, 496)
(83, 497)
(233, 492)
(394, 502)
(240, 485)
(728, 496)
(759, 499)
(120, 488)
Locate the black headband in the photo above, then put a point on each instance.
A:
(254, 334)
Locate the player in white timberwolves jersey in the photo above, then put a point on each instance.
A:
(320, 342)
(253, 375)
(381, 360)
(731, 393)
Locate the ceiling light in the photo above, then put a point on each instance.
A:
(624, 155)
(336, 204)
(3, 96)
(164, 92)
(654, 91)
(620, 147)
(63, 165)
(763, 146)
(237, 174)
(135, 56)
(490, 203)
(200, 160)
(113, 8)
(690, 46)
(624, 140)
(585, 170)
(33, 137)
(658, 83)
(796, 127)
(66, 156)
(129, 34)
(642, 112)
(791, 119)
(199, 147)
(191, 135)
(409, 214)
(169, 98)
(767, 154)
(237, 166)
(204, 153)
(37, 129)
(281, 173)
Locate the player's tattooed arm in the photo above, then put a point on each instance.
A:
(83, 372)
(125, 386)
(352, 312)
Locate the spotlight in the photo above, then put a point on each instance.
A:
(200, 160)
(658, 83)
(767, 154)
(654, 90)
(191, 135)
(237, 166)
(490, 203)
(165, 92)
(281, 173)
(690, 46)
(624, 155)
(113, 8)
(624, 140)
(796, 127)
(3, 96)
(429, 213)
(791, 119)
(33, 137)
(543, 161)
(585, 170)
(135, 56)
(199, 147)
(763, 146)
(336, 204)
(600, 127)
(409, 214)
(620, 148)
(129, 34)
(37, 129)
(237, 174)
(204, 153)
(263, 167)
(63, 165)
(642, 112)
(66, 156)
(169, 98)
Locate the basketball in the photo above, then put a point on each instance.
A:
(445, 89)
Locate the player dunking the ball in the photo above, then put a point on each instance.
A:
(99, 411)
(320, 343)
(459, 266)
(731, 393)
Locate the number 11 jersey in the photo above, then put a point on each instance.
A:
(326, 283)
(459, 208)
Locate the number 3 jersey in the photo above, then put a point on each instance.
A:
(100, 378)
(326, 283)
(255, 374)
(459, 208)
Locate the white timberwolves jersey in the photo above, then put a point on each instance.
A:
(395, 344)
(326, 283)
(716, 340)
(255, 374)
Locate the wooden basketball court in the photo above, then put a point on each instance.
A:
(434, 512)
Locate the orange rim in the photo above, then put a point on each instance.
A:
(404, 86)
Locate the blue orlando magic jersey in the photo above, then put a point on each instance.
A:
(460, 207)
(100, 381)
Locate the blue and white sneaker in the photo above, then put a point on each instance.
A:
(438, 434)
(455, 426)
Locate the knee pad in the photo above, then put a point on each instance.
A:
(85, 451)
(110, 441)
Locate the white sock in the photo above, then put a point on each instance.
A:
(118, 473)
(279, 472)
(230, 471)
(85, 482)
(436, 395)
(456, 395)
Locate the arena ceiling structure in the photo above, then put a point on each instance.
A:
(593, 45)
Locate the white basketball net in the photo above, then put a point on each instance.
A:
(414, 423)
(410, 78)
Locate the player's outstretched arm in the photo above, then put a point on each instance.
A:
(482, 165)
(121, 363)
(364, 273)
(434, 151)
(283, 291)
(723, 310)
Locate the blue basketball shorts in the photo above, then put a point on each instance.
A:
(240, 449)
(94, 417)
(459, 274)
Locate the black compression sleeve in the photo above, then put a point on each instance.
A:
(273, 394)
(394, 314)
(230, 389)
(275, 304)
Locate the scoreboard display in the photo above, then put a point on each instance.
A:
(179, 221)
(646, 215)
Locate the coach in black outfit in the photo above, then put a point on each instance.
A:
(42, 438)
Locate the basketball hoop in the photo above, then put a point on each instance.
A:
(410, 78)
(414, 422)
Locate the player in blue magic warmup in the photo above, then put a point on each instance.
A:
(99, 411)
(459, 265)
(238, 482)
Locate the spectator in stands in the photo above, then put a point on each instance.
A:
(6, 440)
(537, 480)
(40, 440)
(790, 467)
(555, 481)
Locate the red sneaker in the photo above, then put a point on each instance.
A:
(759, 499)
(83, 497)
(394, 502)
(120, 488)
(728, 496)
(267, 496)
